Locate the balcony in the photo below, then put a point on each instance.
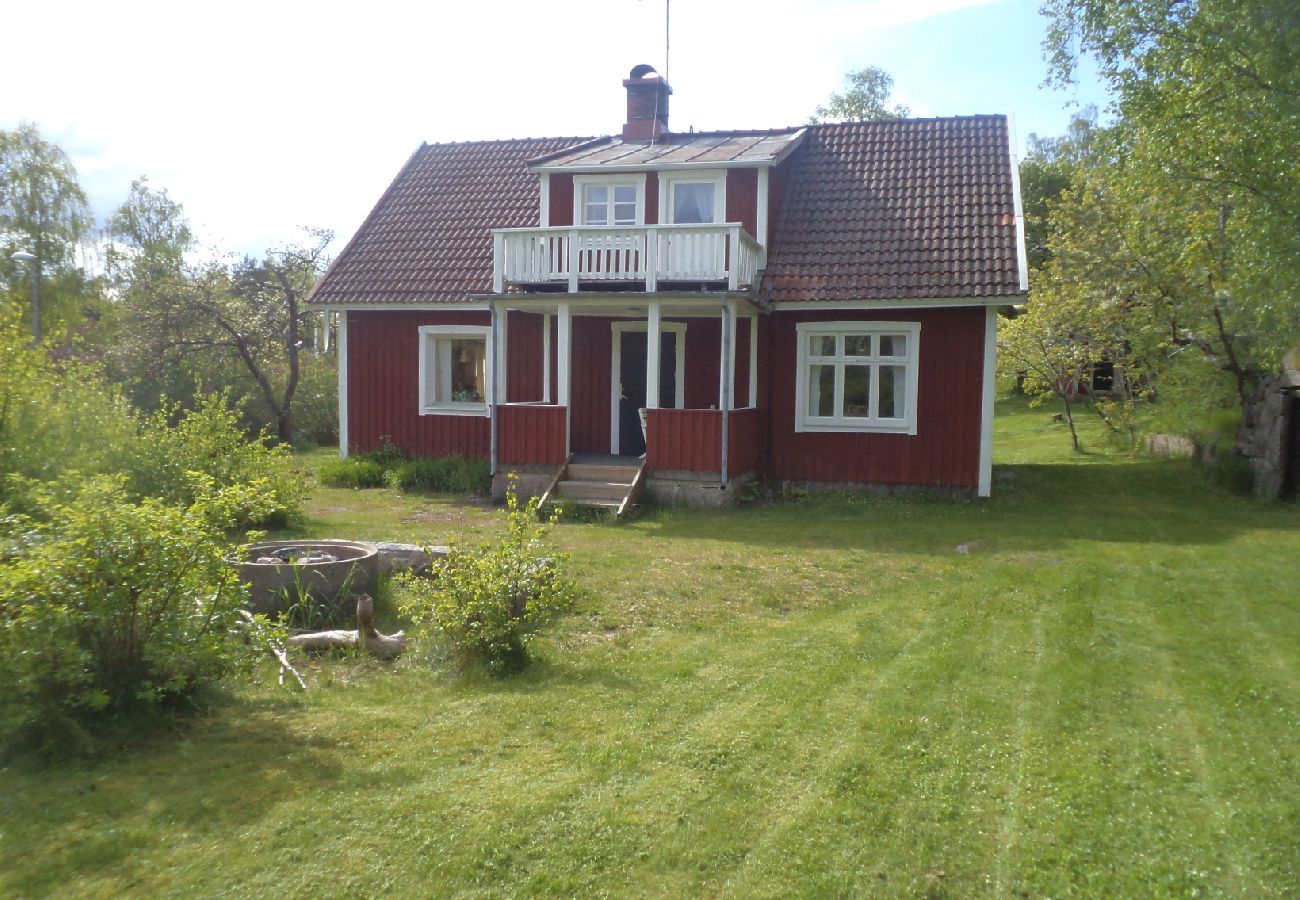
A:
(573, 257)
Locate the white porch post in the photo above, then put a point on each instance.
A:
(726, 388)
(546, 357)
(342, 349)
(494, 390)
(562, 373)
(760, 223)
(753, 361)
(727, 366)
(985, 487)
(652, 342)
(500, 341)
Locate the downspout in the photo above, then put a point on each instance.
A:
(725, 399)
(492, 380)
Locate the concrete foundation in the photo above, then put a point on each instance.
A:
(532, 481)
(682, 488)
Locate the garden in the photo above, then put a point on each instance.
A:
(1086, 684)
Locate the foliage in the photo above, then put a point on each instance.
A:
(44, 211)
(353, 472)
(316, 406)
(1195, 212)
(107, 606)
(208, 441)
(245, 323)
(865, 98)
(63, 420)
(56, 417)
(453, 474)
(486, 603)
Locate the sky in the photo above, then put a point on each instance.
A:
(265, 117)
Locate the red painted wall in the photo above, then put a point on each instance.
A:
(945, 449)
(531, 434)
(742, 198)
(384, 390)
(561, 199)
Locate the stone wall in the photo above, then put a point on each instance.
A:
(1268, 434)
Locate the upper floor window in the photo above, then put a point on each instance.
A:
(609, 200)
(692, 198)
(857, 376)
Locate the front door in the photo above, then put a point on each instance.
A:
(631, 385)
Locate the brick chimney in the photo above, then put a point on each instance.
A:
(647, 105)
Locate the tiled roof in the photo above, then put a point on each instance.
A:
(427, 240)
(913, 208)
(909, 209)
(717, 148)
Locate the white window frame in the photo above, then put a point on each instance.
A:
(716, 177)
(911, 363)
(582, 182)
(429, 335)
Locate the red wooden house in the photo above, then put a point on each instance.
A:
(820, 302)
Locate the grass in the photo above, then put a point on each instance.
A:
(1089, 684)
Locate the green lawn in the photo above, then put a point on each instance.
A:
(1089, 684)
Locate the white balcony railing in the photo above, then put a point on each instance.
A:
(650, 253)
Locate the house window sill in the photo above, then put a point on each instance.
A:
(464, 409)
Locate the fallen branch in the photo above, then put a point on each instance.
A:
(384, 646)
(276, 650)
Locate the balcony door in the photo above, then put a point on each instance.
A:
(628, 385)
(692, 198)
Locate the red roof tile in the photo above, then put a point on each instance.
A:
(428, 238)
(913, 208)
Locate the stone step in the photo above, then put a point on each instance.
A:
(593, 472)
(592, 490)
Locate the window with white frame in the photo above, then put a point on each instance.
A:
(857, 376)
(455, 375)
(692, 198)
(609, 200)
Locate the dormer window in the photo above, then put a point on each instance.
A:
(609, 199)
(692, 198)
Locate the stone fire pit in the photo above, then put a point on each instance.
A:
(330, 572)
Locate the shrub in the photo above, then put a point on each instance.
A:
(485, 604)
(113, 606)
(208, 440)
(354, 472)
(451, 474)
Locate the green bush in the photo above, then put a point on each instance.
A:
(485, 604)
(450, 474)
(208, 440)
(56, 419)
(353, 472)
(108, 606)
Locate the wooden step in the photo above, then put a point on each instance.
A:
(585, 491)
(624, 475)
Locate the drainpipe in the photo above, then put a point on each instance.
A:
(492, 398)
(724, 402)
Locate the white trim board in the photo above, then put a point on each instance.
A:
(618, 329)
(937, 303)
(987, 396)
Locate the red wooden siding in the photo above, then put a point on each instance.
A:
(688, 439)
(652, 198)
(745, 446)
(691, 440)
(524, 358)
(945, 449)
(561, 193)
(776, 182)
(589, 383)
(742, 198)
(531, 434)
(384, 390)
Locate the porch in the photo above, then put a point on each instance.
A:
(689, 413)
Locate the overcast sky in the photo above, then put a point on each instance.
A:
(261, 117)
